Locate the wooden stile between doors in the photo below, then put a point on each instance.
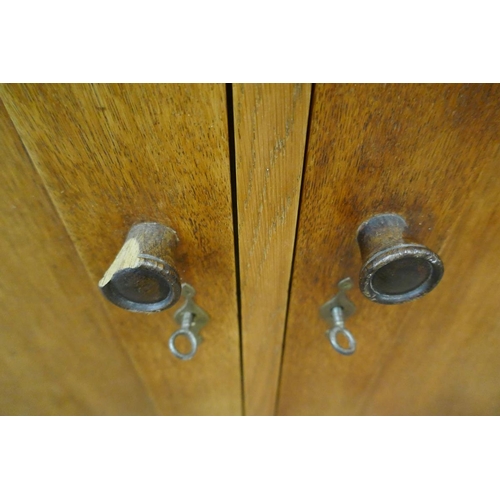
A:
(270, 135)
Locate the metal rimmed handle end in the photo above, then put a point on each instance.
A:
(395, 270)
(142, 278)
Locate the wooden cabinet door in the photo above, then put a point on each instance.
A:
(430, 153)
(101, 158)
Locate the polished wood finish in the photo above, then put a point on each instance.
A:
(114, 155)
(270, 135)
(58, 351)
(431, 154)
(92, 160)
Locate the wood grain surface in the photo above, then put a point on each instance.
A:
(431, 154)
(114, 155)
(58, 352)
(270, 134)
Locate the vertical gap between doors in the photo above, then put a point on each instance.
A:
(234, 197)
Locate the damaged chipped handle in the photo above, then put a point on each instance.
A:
(142, 277)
